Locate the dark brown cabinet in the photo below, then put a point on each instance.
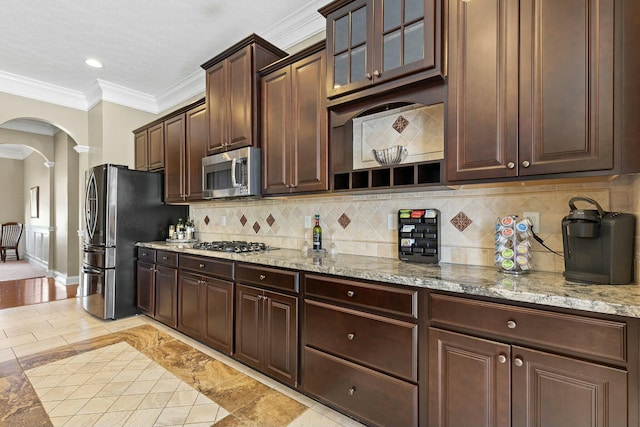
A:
(232, 93)
(532, 89)
(372, 42)
(485, 372)
(360, 349)
(185, 146)
(149, 148)
(205, 301)
(157, 281)
(267, 321)
(294, 124)
(145, 273)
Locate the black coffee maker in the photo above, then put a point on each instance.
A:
(598, 245)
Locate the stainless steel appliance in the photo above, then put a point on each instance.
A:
(122, 207)
(234, 173)
(233, 246)
(598, 245)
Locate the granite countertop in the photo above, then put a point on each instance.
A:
(550, 289)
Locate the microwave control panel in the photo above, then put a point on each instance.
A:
(419, 235)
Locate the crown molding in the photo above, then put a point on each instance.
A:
(41, 91)
(190, 87)
(296, 27)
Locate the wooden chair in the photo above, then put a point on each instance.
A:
(9, 239)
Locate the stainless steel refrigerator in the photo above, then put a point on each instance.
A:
(122, 207)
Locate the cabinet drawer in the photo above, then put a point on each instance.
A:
(204, 265)
(265, 276)
(170, 259)
(373, 397)
(146, 254)
(377, 297)
(378, 342)
(586, 335)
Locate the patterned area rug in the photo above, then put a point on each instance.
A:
(18, 270)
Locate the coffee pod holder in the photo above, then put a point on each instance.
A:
(513, 244)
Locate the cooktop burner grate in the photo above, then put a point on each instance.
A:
(233, 246)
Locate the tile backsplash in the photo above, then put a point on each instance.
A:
(359, 224)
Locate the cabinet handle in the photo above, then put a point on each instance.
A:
(511, 324)
(262, 277)
(144, 254)
(201, 265)
(165, 258)
(518, 362)
(526, 163)
(376, 73)
(502, 358)
(368, 76)
(350, 337)
(511, 165)
(351, 294)
(351, 391)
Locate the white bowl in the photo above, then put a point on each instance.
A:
(390, 156)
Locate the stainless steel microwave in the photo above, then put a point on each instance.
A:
(233, 173)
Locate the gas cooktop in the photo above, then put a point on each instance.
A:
(233, 246)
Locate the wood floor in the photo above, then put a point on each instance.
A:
(16, 293)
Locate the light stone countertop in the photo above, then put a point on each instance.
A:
(550, 289)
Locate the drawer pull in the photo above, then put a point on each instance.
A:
(351, 391)
(518, 362)
(511, 324)
(350, 337)
(262, 277)
(502, 358)
(201, 265)
(144, 254)
(351, 294)
(165, 258)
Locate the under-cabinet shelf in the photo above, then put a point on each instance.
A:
(392, 177)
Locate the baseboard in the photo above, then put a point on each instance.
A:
(63, 279)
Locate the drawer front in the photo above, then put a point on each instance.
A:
(381, 343)
(146, 254)
(374, 398)
(589, 336)
(382, 298)
(170, 259)
(205, 265)
(265, 276)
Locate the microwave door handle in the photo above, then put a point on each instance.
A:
(234, 181)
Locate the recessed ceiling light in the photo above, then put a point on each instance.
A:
(93, 63)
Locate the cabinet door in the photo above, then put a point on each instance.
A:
(249, 336)
(469, 381)
(566, 92)
(166, 294)
(239, 78)
(174, 147)
(308, 150)
(550, 390)
(216, 107)
(482, 106)
(146, 288)
(196, 146)
(218, 314)
(156, 146)
(281, 337)
(349, 40)
(406, 38)
(140, 147)
(190, 317)
(276, 131)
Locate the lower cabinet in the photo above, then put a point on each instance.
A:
(267, 321)
(503, 381)
(157, 280)
(166, 294)
(205, 301)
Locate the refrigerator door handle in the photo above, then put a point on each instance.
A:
(91, 271)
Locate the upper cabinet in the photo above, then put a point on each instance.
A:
(149, 147)
(294, 124)
(376, 45)
(232, 93)
(535, 88)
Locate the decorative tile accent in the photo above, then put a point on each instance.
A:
(206, 220)
(243, 220)
(270, 220)
(461, 221)
(400, 124)
(344, 220)
(256, 227)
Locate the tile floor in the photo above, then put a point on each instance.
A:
(60, 366)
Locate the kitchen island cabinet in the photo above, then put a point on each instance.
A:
(535, 88)
(267, 321)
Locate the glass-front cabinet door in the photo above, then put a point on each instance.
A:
(372, 41)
